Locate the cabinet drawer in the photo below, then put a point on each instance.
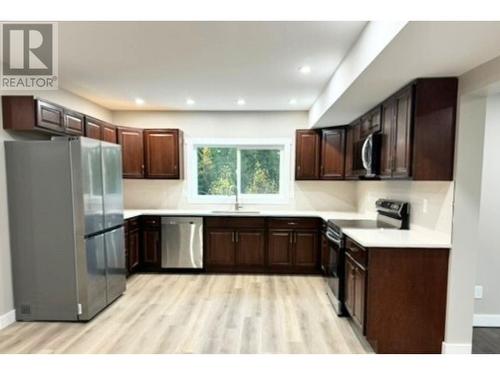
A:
(152, 221)
(73, 121)
(132, 224)
(235, 222)
(358, 253)
(294, 222)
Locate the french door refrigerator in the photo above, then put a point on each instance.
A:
(66, 227)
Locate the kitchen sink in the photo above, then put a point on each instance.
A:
(239, 212)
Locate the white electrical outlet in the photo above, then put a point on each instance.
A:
(478, 292)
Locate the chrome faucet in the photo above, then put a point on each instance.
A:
(237, 205)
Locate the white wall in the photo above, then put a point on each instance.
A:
(61, 97)
(488, 261)
(339, 196)
(431, 202)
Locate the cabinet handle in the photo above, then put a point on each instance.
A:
(232, 237)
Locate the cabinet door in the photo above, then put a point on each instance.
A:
(387, 138)
(307, 155)
(50, 116)
(402, 151)
(359, 296)
(92, 128)
(108, 133)
(332, 154)
(133, 249)
(162, 153)
(250, 247)
(221, 247)
(306, 249)
(349, 286)
(73, 122)
(349, 143)
(280, 245)
(132, 152)
(151, 248)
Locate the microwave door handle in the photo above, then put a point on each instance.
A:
(364, 153)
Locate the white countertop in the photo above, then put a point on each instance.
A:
(414, 238)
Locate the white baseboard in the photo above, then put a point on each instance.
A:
(452, 348)
(7, 319)
(486, 320)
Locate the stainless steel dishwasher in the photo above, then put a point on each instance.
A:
(182, 242)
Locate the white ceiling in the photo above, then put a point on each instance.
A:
(421, 49)
(214, 63)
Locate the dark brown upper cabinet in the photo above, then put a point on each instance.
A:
(108, 133)
(73, 122)
(307, 153)
(93, 128)
(28, 113)
(332, 154)
(162, 152)
(353, 168)
(418, 131)
(131, 141)
(371, 122)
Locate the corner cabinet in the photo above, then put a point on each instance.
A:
(418, 131)
(151, 243)
(132, 152)
(396, 297)
(163, 153)
(307, 152)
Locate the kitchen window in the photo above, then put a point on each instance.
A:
(251, 170)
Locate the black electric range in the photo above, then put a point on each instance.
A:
(390, 215)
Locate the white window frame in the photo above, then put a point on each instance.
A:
(282, 144)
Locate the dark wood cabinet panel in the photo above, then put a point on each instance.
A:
(73, 122)
(93, 128)
(307, 150)
(108, 133)
(220, 248)
(162, 153)
(50, 116)
(406, 300)
(131, 141)
(133, 246)
(349, 285)
(306, 249)
(349, 160)
(280, 247)
(387, 138)
(402, 137)
(250, 248)
(332, 154)
(151, 250)
(325, 254)
(370, 122)
(359, 296)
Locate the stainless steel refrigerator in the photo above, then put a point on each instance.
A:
(66, 227)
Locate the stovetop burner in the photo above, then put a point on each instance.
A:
(361, 224)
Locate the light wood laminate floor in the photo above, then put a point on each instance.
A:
(165, 313)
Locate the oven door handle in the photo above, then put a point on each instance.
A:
(336, 241)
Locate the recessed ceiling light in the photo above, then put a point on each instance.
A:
(190, 101)
(241, 101)
(306, 69)
(293, 101)
(139, 101)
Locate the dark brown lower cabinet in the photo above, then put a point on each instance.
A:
(132, 244)
(262, 245)
(220, 248)
(250, 248)
(397, 298)
(151, 244)
(280, 247)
